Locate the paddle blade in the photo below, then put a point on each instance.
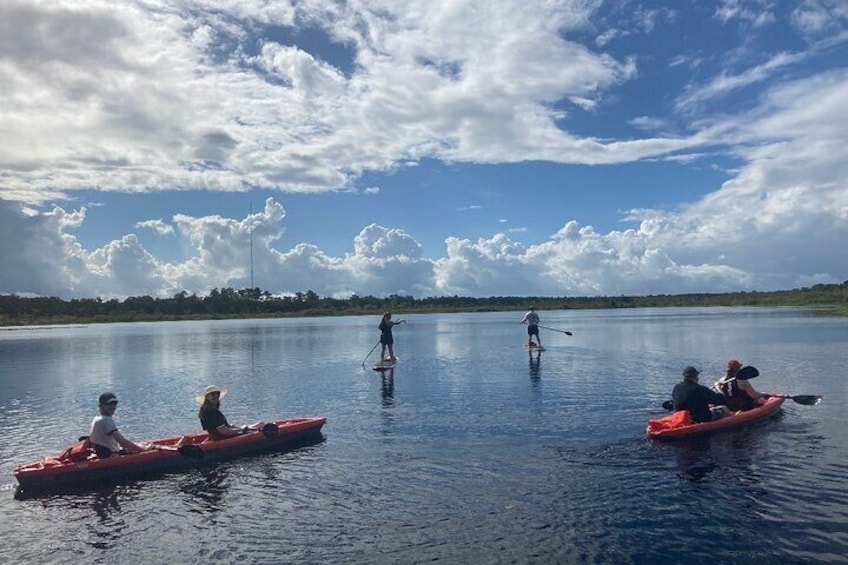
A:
(746, 373)
(270, 428)
(668, 405)
(192, 451)
(807, 399)
(568, 333)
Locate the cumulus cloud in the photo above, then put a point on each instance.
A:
(122, 97)
(158, 226)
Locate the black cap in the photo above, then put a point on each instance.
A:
(107, 397)
(690, 372)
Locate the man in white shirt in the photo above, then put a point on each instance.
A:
(104, 435)
(532, 320)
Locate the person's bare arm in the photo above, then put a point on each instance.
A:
(129, 446)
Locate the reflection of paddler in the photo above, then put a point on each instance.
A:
(386, 338)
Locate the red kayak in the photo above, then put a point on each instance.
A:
(78, 465)
(670, 428)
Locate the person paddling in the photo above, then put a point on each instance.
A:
(737, 389)
(386, 338)
(531, 318)
(689, 395)
(104, 436)
(213, 420)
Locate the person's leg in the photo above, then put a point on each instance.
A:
(392, 352)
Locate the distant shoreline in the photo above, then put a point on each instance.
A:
(249, 303)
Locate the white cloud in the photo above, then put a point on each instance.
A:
(159, 226)
(125, 97)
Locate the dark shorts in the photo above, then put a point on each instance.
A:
(532, 330)
(104, 452)
(387, 340)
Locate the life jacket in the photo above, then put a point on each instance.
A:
(79, 451)
(679, 419)
(737, 399)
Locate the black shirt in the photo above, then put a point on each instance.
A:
(211, 418)
(696, 399)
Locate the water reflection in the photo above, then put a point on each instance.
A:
(387, 388)
(736, 451)
(206, 490)
(535, 366)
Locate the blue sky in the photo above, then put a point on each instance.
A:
(422, 147)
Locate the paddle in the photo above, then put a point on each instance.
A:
(191, 451)
(556, 330)
(369, 354)
(805, 399)
(270, 429)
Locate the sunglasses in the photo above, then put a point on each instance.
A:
(112, 403)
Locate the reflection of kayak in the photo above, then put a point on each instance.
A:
(53, 474)
(657, 429)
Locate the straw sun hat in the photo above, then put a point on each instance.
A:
(208, 390)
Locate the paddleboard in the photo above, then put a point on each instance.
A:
(534, 347)
(386, 365)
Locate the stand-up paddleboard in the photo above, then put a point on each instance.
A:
(386, 365)
(534, 347)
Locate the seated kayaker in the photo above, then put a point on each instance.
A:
(735, 386)
(689, 395)
(213, 420)
(104, 436)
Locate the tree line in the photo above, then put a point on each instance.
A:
(254, 302)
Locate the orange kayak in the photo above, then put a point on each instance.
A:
(731, 422)
(83, 467)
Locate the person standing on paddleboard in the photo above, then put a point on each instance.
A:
(386, 338)
(531, 318)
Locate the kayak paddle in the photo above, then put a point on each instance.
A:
(191, 451)
(556, 330)
(805, 399)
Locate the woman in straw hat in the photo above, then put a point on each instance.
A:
(213, 420)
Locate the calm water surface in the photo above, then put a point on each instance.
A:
(471, 451)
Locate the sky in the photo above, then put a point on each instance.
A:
(422, 147)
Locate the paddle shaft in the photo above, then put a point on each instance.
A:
(370, 352)
(804, 399)
(556, 330)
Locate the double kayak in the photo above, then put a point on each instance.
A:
(673, 427)
(79, 466)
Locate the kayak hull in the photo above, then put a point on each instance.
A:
(55, 475)
(734, 421)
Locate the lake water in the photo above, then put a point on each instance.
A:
(470, 451)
